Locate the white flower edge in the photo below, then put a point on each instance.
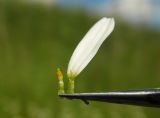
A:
(89, 45)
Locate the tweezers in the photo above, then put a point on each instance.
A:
(143, 97)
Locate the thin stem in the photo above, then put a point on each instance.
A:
(61, 87)
(70, 86)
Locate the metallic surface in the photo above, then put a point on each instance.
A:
(145, 97)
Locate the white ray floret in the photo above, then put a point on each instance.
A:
(89, 45)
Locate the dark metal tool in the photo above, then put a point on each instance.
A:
(145, 97)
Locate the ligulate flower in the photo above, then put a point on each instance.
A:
(87, 49)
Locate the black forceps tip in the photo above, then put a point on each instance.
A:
(144, 97)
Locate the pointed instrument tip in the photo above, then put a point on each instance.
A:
(74, 96)
(65, 95)
(70, 96)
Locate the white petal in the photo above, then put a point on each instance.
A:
(89, 45)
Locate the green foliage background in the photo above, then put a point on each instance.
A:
(35, 40)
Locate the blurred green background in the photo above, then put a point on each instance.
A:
(35, 40)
